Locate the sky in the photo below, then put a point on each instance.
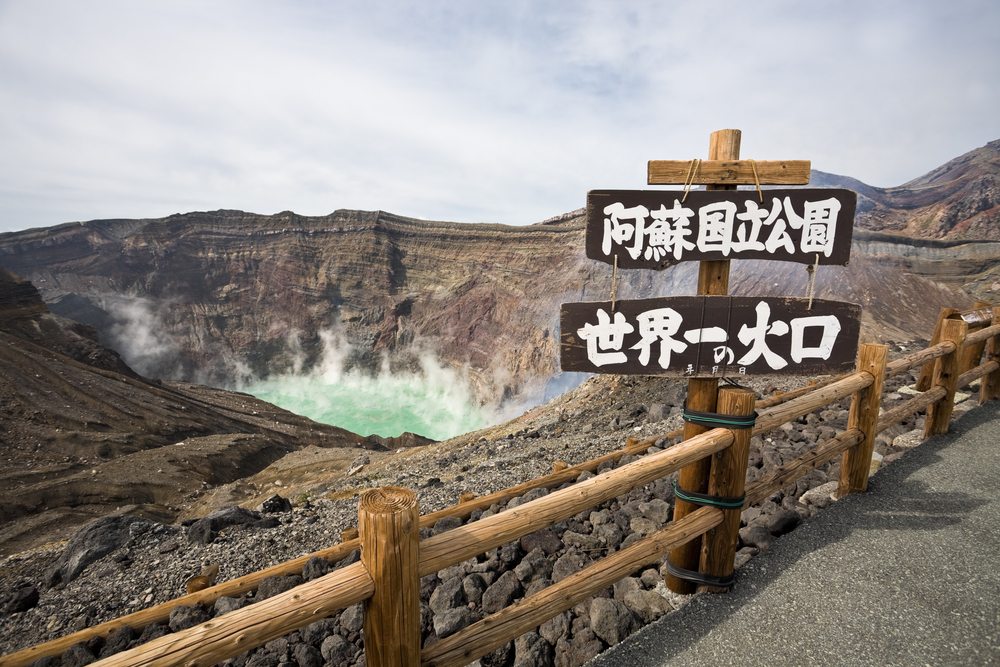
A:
(469, 111)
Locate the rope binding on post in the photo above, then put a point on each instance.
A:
(700, 578)
(716, 420)
(705, 500)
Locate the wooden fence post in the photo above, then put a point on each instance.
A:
(972, 354)
(927, 371)
(989, 387)
(389, 523)
(702, 393)
(728, 479)
(856, 461)
(946, 372)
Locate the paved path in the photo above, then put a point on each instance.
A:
(906, 574)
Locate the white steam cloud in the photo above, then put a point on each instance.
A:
(140, 335)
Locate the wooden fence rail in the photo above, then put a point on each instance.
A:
(950, 359)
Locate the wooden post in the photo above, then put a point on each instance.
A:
(927, 372)
(972, 354)
(702, 394)
(728, 479)
(990, 385)
(946, 375)
(857, 461)
(389, 522)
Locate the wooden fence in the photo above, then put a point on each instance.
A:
(393, 558)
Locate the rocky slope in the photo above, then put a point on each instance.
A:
(959, 200)
(83, 435)
(149, 563)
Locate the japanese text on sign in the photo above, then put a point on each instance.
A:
(655, 229)
(669, 336)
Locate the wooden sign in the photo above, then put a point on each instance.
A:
(710, 336)
(652, 229)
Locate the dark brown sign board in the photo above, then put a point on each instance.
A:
(710, 336)
(653, 229)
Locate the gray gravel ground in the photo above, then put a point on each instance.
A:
(905, 574)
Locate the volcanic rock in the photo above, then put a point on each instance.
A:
(95, 540)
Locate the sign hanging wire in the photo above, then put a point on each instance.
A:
(753, 163)
(614, 284)
(689, 179)
(811, 287)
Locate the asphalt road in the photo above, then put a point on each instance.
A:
(905, 574)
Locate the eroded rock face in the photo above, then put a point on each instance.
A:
(227, 293)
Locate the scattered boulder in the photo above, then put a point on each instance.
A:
(335, 649)
(263, 660)
(357, 465)
(92, 542)
(77, 655)
(502, 593)
(474, 586)
(657, 510)
(314, 633)
(756, 535)
(352, 619)
(555, 628)
(182, 618)
(647, 605)
(449, 595)
(24, 599)
(783, 521)
(501, 657)
(307, 656)
(545, 539)
(224, 605)
(151, 632)
(532, 650)
(451, 621)
(275, 504)
(610, 620)
(446, 523)
(909, 440)
(205, 530)
(315, 567)
(118, 641)
(271, 586)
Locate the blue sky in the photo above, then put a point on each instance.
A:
(467, 111)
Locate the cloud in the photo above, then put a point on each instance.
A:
(495, 112)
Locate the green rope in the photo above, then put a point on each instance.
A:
(705, 500)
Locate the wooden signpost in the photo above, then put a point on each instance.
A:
(713, 335)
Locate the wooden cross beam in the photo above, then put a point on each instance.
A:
(728, 172)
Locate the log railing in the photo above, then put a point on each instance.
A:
(384, 534)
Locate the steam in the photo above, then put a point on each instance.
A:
(141, 336)
(425, 397)
(338, 383)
